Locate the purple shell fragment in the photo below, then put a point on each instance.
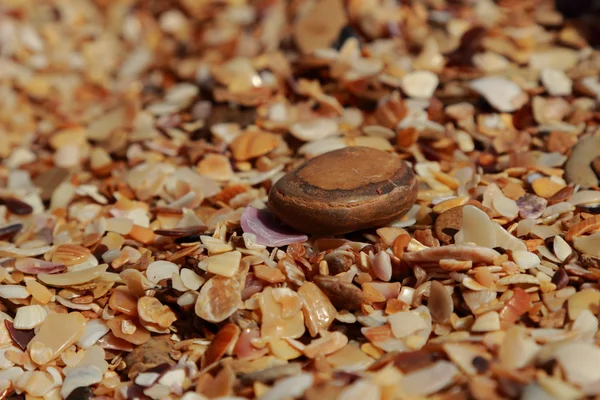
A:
(34, 266)
(267, 229)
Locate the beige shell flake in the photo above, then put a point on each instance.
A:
(36, 383)
(159, 270)
(318, 311)
(315, 129)
(406, 323)
(518, 279)
(328, 344)
(280, 317)
(463, 355)
(225, 264)
(129, 329)
(577, 361)
(214, 245)
(588, 299)
(430, 379)
(70, 254)
(420, 84)
(152, 311)
(57, 332)
(440, 303)
(487, 322)
(253, 144)
(73, 277)
(525, 259)
(219, 297)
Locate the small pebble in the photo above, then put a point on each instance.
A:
(16, 206)
(481, 364)
(343, 191)
(560, 278)
(346, 33)
(81, 393)
(154, 352)
(8, 231)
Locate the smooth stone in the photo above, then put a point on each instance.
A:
(343, 191)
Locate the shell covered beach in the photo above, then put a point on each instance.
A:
(303, 199)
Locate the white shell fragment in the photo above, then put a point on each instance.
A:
(420, 84)
(159, 270)
(561, 248)
(505, 207)
(487, 322)
(476, 228)
(191, 280)
(579, 361)
(13, 292)
(214, 245)
(502, 93)
(428, 380)
(585, 197)
(30, 317)
(525, 259)
(560, 58)
(81, 377)
(556, 82)
(223, 264)
(314, 129)
(406, 323)
(293, 386)
(92, 332)
(588, 244)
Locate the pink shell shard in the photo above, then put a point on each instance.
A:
(268, 231)
(34, 266)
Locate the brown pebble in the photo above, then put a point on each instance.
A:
(155, 351)
(450, 221)
(481, 364)
(596, 165)
(342, 294)
(343, 191)
(8, 231)
(16, 206)
(338, 263)
(560, 278)
(81, 393)
(562, 195)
